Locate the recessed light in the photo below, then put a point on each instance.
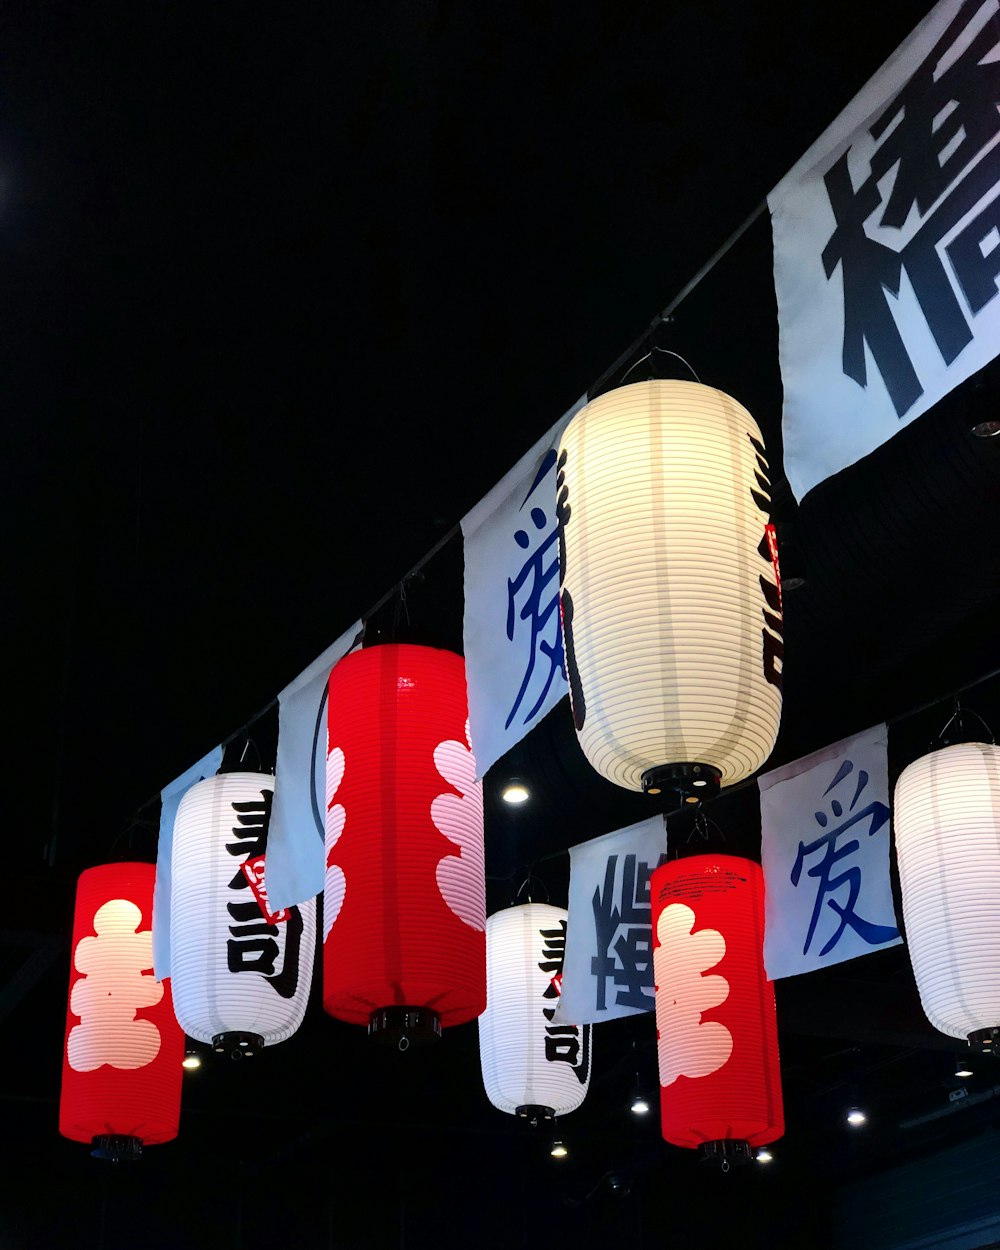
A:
(962, 1069)
(514, 793)
(856, 1117)
(558, 1150)
(986, 429)
(639, 1105)
(191, 1062)
(764, 1155)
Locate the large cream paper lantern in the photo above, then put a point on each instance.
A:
(670, 597)
(240, 972)
(947, 828)
(531, 1066)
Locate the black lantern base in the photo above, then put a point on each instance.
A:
(536, 1114)
(405, 1026)
(692, 782)
(238, 1045)
(727, 1153)
(986, 1041)
(116, 1147)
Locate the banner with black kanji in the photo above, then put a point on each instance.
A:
(608, 967)
(887, 246)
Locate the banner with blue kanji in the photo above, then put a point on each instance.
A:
(515, 667)
(825, 852)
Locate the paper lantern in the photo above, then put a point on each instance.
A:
(532, 1066)
(947, 828)
(405, 898)
(121, 1078)
(669, 594)
(240, 973)
(720, 1082)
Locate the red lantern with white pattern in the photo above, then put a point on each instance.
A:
(720, 1080)
(121, 1081)
(404, 907)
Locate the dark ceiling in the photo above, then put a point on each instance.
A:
(287, 289)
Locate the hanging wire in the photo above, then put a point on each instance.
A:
(665, 351)
(704, 826)
(527, 882)
(246, 746)
(957, 719)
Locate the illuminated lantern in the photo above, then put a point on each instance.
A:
(121, 1079)
(240, 973)
(405, 900)
(947, 826)
(670, 599)
(720, 1082)
(531, 1066)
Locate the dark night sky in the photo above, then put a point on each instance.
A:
(287, 288)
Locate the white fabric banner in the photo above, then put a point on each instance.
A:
(608, 968)
(514, 660)
(825, 852)
(886, 246)
(295, 867)
(170, 799)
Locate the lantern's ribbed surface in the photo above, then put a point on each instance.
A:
(947, 827)
(718, 1037)
(527, 1060)
(123, 1049)
(669, 597)
(405, 885)
(232, 971)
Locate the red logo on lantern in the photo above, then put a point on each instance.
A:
(253, 870)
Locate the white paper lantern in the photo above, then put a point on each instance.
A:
(531, 1066)
(947, 828)
(240, 975)
(670, 599)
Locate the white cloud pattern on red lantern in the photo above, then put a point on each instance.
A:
(117, 982)
(336, 883)
(687, 1045)
(459, 817)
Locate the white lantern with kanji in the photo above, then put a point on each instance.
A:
(532, 1066)
(670, 597)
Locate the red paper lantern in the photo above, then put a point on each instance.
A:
(720, 1080)
(121, 1082)
(405, 897)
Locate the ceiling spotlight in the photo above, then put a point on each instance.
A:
(191, 1061)
(514, 793)
(764, 1155)
(856, 1117)
(962, 1069)
(558, 1150)
(986, 429)
(639, 1105)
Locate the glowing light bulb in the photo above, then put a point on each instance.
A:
(764, 1155)
(191, 1062)
(856, 1117)
(558, 1150)
(514, 793)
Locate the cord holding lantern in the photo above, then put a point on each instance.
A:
(669, 592)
